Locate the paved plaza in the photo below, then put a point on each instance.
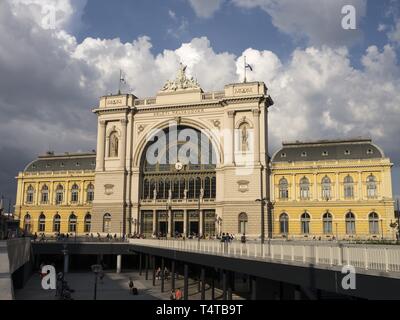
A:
(113, 287)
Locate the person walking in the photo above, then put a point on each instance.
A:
(172, 295)
(131, 285)
(178, 294)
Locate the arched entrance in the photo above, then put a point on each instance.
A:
(177, 185)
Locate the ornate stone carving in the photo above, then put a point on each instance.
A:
(217, 123)
(243, 185)
(108, 189)
(181, 81)
(140, 128)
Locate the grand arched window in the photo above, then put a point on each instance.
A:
(305, 223)
(74, 193)
(284, 223)
(87, 223)
(30, 191)
(72, 222)
(304, 188)
(59, 194)
(327, 223)
(373, 221)
(348, 184)
(90, 193)
(178, 169)
(42, 222)
(56, 223)
(27, 223)
(243, 223)
(44, 194)
(371, 186)
(350, 223)
(283, 189)
(326, 188)
(107, 222)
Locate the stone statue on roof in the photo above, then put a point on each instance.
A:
(181, 81)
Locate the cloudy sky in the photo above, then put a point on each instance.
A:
(57, 57)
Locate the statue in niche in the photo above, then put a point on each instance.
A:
(244, 138)
(113, 145)
(155, 194)
(185, 194)
(201, 193)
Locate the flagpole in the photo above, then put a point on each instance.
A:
(245, 80)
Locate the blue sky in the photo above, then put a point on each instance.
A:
(328, 82)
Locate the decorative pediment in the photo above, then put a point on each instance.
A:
(181, 82)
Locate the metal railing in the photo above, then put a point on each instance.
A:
(366, 257)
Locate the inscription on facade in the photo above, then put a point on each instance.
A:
(243, 90)
(114, 102)
(177, 112)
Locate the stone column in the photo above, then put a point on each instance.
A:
(231, 134)
(154, 221)
(360, 193)
(185, 220)
(119, 259)
(122, 150)
(100, 145)
(256, 116)
(201, 222)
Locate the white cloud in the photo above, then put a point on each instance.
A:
(172, 14)
(319, 22)
(381, 27)
(205, 8)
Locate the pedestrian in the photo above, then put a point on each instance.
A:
(131, 285)
(172, 295)
(178, 294)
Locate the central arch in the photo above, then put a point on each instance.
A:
(177, 183)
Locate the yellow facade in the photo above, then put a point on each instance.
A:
(362, 199)
(79, 205)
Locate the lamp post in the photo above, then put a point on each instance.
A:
(168, 207)
(381, 229)
(263, 202)
(97, 269)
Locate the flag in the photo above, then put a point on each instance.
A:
(247, 66)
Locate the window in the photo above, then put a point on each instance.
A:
(107, 222)
(327, 223)
(59, 194)
(27, 223)
(74, 193)
(29, 194)
(304, 189)
(348, 187)
(113, 147)
(44, 198)
(305, 223)
(326, 188)
(90, 193)
(283, 188)
(42, 223)
(371, 186)
(72, 223)
(242, 223)
(88, 222)
(350, 223)
(284, 223)
(56, 223)
(373, 220)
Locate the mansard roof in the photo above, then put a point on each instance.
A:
(63, 162)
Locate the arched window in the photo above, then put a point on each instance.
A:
(27, 223)
(29, 194)
(90, 193)
(371, 186)
(348, 184)
(213, 187)
(146, 189)
(42, 223)
(56, 223)
(197, 190)
(88, 222)
(242, 223)
(59, 194)
(72, 223)
(283, 188)
(160, 189)
(191, 189)
(284, 223)
(326, 188)
(350, 223)
(175, 190)
(207, 188)
(327, 223)
(373, 220)
(44, 194)
(305, 223)
(304, 189)
(107, 222)
(113, 148)
(74, 193)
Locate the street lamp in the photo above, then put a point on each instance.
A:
(262, 201)
(168, 208)
(97, 269)
(382, 229)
